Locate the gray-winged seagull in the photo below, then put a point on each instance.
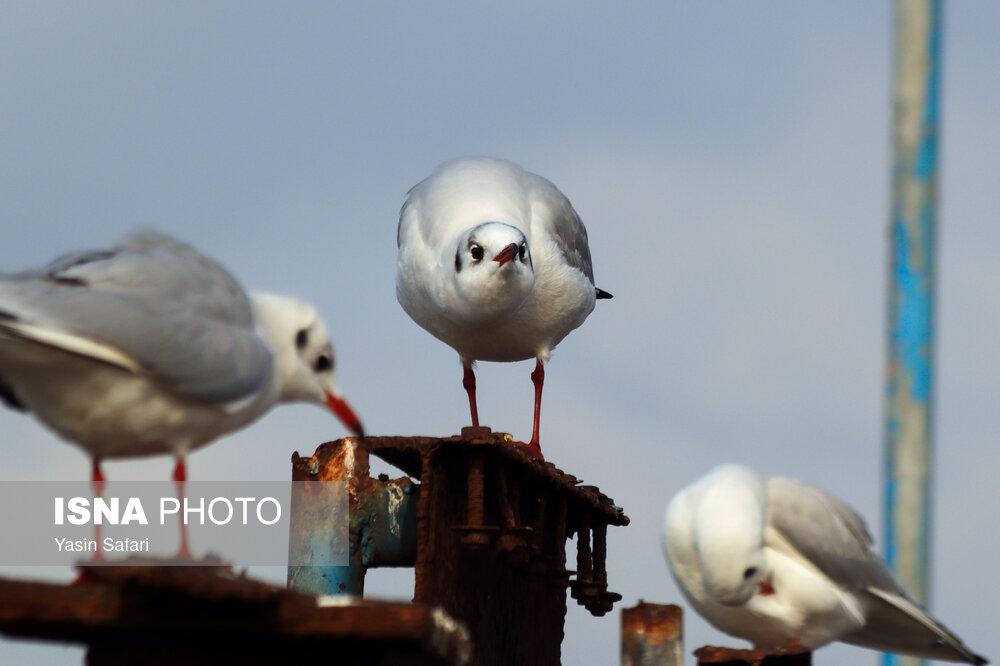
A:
(780, 563)
(152, 348)
(494, 261)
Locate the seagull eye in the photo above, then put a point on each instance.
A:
(749, 573)
(521, 250)
(302, 339)
(476, 252)
(323, 363)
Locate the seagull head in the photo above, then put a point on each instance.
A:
(492, 271)
(303, 352)
(729, 535)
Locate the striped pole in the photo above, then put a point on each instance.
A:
(908, 456)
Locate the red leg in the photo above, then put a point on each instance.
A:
(180, 478)
(469, 382)
(538, 379)
(97, 484)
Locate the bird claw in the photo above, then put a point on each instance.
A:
(532, 449)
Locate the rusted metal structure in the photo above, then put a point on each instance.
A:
(652, 635)
(727, 657)
(489, 532)
(201, 616)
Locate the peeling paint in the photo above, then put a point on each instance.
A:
(908, 433)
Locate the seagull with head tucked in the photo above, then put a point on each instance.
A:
(781, 564)
(494, 261)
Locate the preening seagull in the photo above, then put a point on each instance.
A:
(494, 261)
(781, 563)
(152, 348)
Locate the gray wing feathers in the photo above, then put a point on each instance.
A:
(178, 314)
(835, 539)
(570, 237)
(895, 623)
(828, 533)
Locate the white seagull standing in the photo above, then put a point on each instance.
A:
(780, 563)
(152, 348)
(494, 261)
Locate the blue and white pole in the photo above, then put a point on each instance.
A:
(908, 434)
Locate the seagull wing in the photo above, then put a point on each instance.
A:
(562, 224)
(151, 305)
(835, 539)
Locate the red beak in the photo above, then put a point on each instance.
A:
(506, 254)
(344, 412)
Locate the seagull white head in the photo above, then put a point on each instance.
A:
(493, 273)
(729, 535)
(303, 355)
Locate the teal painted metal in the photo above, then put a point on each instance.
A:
(383, 533)
(908, 434)
(381, 529)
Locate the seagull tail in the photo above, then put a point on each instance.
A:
(602, 294)
(897, 624)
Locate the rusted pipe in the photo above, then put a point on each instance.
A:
(474, 517)
(727, 657)
(652, 635)
(584, 556)
(381, 521)
(600, 549)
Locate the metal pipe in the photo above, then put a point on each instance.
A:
(381, 521)
(652, 635)
(907, 448)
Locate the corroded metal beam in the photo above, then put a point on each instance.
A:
(382, 521)
(207, 615)
(726, 657)
(490, 526)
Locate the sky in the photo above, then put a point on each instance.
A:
(730, 161)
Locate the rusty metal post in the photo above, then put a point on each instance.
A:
(382, 521)
(584, 556)
(726, 657)
(310, 538)
(558, 575)
(652, 635)
(490, 525)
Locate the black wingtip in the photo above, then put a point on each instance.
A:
(602, 294)
(8, 397)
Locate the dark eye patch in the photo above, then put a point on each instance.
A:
(302, 339)
(748, 574)
(323, 363)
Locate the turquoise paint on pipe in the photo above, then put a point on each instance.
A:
(908, 430)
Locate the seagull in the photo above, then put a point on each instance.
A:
(494, 261)
(152, 348)
(781, 564)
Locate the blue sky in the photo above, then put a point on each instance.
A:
(730, 161)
